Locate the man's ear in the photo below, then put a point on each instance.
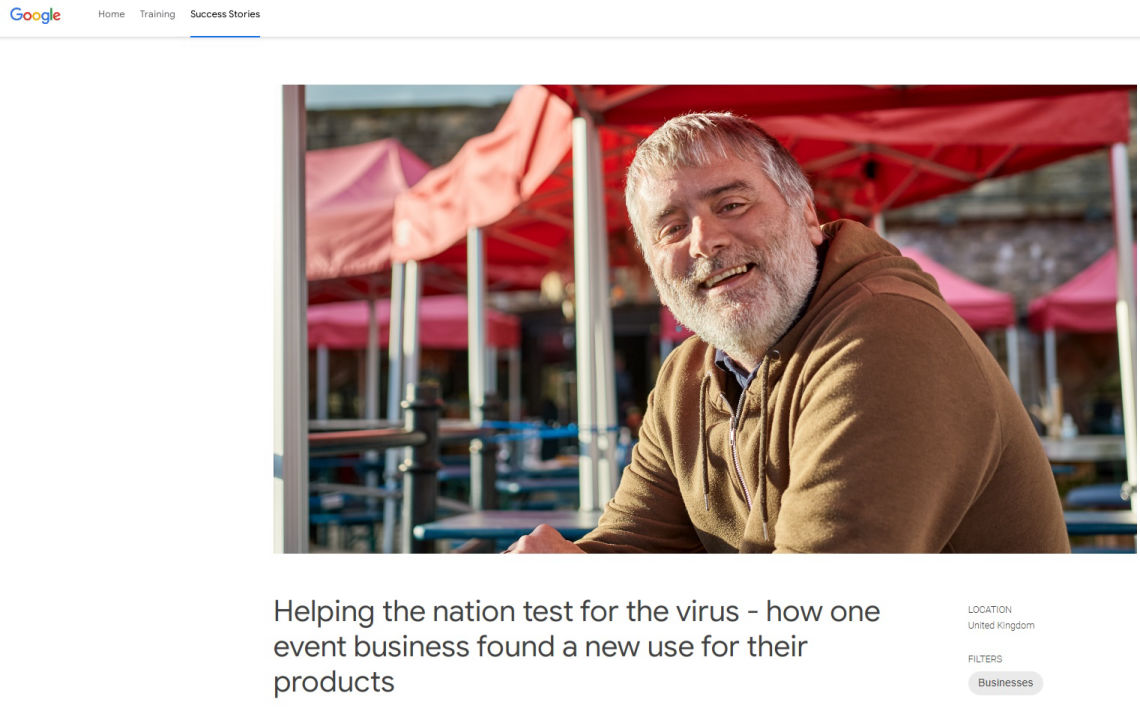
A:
(811, 221)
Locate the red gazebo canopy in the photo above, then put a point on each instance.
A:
(866, 150)
(632, 105)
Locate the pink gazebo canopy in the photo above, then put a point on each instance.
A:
(1084, 304)
(982, 307)
(350, 193)
(443, 324)
(490, 177)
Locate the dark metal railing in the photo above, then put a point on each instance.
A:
(423, 431)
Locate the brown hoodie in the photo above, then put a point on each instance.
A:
(878, 423)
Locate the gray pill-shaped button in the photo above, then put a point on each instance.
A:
(1005, 683)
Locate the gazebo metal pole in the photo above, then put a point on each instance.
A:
(491, 366)
(411, 345)
(292, 442)
(1125, 301)
(476, 325)
(482, 483)
(1051, 383)
(396, 343)
(372, 401)
(395, 391)
(410, 353)
(372, 365)
(322, 382)
(1013, 363)
(606, 402)
(1128, 391)
(878, 225)
(514, 381)
(584, 310)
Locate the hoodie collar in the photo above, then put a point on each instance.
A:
(853, 252)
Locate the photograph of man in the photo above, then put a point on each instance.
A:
(830, 401)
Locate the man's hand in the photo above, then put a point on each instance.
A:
(543, 539)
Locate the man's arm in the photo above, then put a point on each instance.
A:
(647, 513)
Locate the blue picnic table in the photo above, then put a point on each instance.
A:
(1100, 522)
(508, 524)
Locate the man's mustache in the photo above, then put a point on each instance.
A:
(702, 269)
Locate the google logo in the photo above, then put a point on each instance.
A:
(44, 17)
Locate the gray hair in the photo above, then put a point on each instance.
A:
(696, 140)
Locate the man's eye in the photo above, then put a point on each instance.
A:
(730, 206)
(671, 232)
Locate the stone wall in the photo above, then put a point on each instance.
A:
(1025, 258)
(434, 134)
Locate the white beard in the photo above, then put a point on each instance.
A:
(746, 322)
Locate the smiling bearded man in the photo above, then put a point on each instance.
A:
(831, 400)
(745, 322)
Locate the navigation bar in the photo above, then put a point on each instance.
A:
(581, 19)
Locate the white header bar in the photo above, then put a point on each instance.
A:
(579, 19)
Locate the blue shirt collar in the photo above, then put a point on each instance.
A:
(730, 367)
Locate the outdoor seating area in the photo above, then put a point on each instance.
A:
(346, 515)
(1099, 515)
(474, 339)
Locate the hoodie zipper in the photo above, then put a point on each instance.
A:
(732, 444)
